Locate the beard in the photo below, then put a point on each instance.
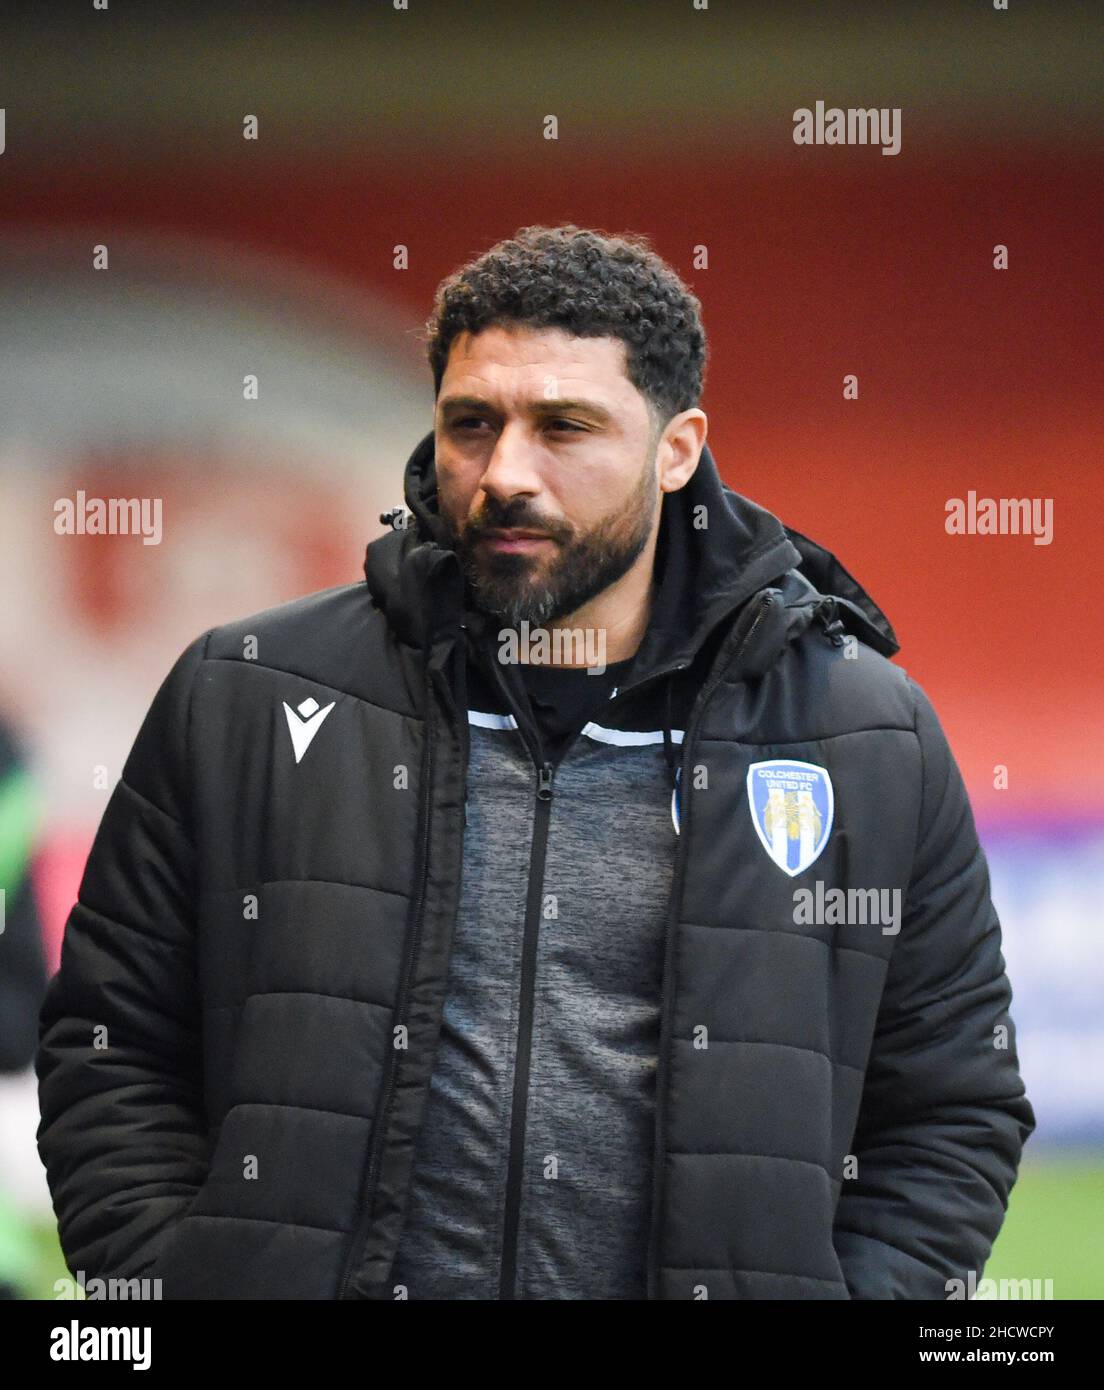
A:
(517, 588)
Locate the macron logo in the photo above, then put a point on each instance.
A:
(304, 729)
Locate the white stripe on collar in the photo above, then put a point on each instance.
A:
(628, 738)
(491, 721)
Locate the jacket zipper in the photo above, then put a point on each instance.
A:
(693, 724)
(515, 1171)
(519, 1104)
(383, 1111)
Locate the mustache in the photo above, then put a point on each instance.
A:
(513, 518)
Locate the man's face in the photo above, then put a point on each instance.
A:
(540, 432)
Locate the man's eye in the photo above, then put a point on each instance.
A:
(468, 420)
(568, 425)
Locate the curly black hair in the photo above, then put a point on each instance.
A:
(593, 286)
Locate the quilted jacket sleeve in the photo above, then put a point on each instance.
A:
(944, 1116)
(122, 1132)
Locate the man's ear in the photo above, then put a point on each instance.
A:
(680, 447)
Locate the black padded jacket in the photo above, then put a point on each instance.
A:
(226, 1102)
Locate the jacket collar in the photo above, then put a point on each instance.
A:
(715, 550)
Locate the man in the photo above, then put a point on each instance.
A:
(22, 980)
(468, 935)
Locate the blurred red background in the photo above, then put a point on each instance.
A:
(425, 131)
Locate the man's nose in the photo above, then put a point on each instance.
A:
(513, 465)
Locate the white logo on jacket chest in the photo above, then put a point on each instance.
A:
(305, 724)
(792, 809)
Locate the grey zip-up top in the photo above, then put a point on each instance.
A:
(534, 1162)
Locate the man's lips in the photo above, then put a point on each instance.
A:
(519, 540)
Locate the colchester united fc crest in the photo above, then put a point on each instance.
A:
(792, 807)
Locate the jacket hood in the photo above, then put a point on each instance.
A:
(716, 549)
